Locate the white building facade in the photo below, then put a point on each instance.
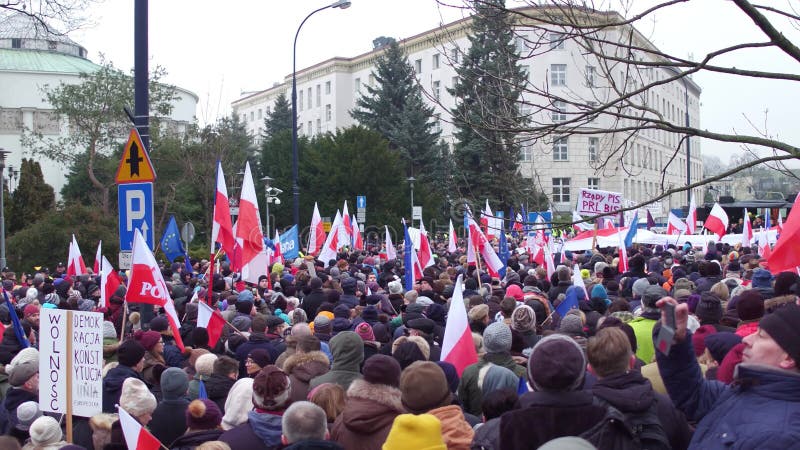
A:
(558, 166)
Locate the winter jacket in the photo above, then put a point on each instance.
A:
(217, 388)
(273, 345)
(190, 441)
(631, 393)
(456, 432)
(348, 299)
(169, 419)
(760, 410)
(112, 386)
(747, 328)
(312, 301)
(261, 431)
(301, 368)
(643, 329)
(368, 416)
(8, 408)
(560, 288)
(313, 444)
(469, 393)
(150, 361)
(487, 436)
(348, 352)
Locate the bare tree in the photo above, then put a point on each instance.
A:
(51, 16)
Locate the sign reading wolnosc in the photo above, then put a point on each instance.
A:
(593, 202)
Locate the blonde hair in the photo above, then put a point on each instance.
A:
(721, 291)
(213, 445)
(423, 345)
(330, 397)
(609, 352)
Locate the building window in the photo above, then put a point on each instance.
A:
(592, 117)
(526, 151)
(300, 129)
(328, 112)
(319, 126)
(436, 61)
(418, 66)
(558, 74)
(593, 143)
(16, 43)
(590, 72)
(259, 113)
(454, 80)
(559, 112)
(244, 117)
(519, 44)
(252, 115)
(454, 55)
(319, 96)
(556, 40)
(437, 123)
(300, 100)
(310, 130)
(593, 183)
(310, 99)
(371, 79)
(357, 85)
(436, 90)
(561, 190)
(327, 88)
(560, 149)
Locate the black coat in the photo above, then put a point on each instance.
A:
(273, 345)
(312, 301)
(191, 440)
(169, 420)
(217, 388)
(112, 386)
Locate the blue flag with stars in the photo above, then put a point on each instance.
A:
(171, 243)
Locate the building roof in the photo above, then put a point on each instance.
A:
(43, 61)
(26, 27)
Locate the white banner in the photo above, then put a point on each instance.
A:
(592, 202)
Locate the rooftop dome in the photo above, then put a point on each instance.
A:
(22, 32)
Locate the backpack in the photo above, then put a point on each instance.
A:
(618, 431)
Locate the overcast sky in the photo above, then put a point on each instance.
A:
(220, 49)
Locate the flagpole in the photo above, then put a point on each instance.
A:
(478, 267)
(124, 319)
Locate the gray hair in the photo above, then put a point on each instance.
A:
(304, 421)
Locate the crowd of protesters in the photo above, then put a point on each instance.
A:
(339, 354)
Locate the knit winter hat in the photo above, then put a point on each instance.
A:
(260, 356)
(639, 286)
(322, 324)
(30, 310)
(244, 306)
(709, 309)
(364, 331)
(783, 326)
(205, 364)
(556, 364)
(699, 338)
(424, 387)
(174, 383)
(23, 366)
(45, 431)
(130, 352)
(515, 291)
(395, 287)
(424, 301)
(571, 324)
(109, 332)
(136, 398)
(652, 294)
(422, 432)
(203, 414)
(382, 369)
(238, 403)
(271, 389)
(148, 339)
(684, 283)
(719, 344)
(497, 338)
(478, 312)
(750, 305)
(523, 319)
(27, 412)
(762, 278)
(241, 323)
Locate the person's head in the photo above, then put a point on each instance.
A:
(497, 338)
(31, 314)
(137, 400)
(423, 431)
(23, 370)
(609, 353)
(497, 402)
(651, 295)
(259, 324)
(203, 414)
(777, 341)
(556, 364)
(303, 421)
(204, 365)
(225, 366)
(45, 431)
(424, 387)
(507, 305)
(330, 397)
(150, 340)
(174, 383)
(131, 354)
(301, 328)
(271, 388)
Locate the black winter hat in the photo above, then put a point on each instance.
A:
(709, 308)
(130, 353)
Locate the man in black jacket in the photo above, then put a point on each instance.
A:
(314, 298)
(169, 417)
(259, 338)
(131, 360)
(612, 361)
(226, 371)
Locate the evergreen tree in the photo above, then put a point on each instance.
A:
(486, 115)
(394, 107)
(33, 198)
(279, 119)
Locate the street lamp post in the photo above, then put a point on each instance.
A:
(270, 196)
(3, 154)
(342, 4)
(411, 181)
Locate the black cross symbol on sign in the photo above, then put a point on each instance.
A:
(134, 159)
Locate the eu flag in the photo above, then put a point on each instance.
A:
(171, 243)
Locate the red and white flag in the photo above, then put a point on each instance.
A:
(481, 244)
(785, 257)
(346, 229)
(622, 265)
(580, 225)
(425, 251)
(109, 282)
(331, 246)
(747, 230)
(98, 258)
(222, 227)
(493, 225)
(691, 217)
(316, 235)
(457, 346)
(717, 221)
(248, 231)
(764, 249)
(549, 264)
(136, 436)
(675, 225)
(75, 264)
(146, 285)
(358, 240)
(277, 254)
(391, 251)
(212, 320)
(451, 238)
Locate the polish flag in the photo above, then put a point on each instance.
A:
(482, 245)
(691, 217)
(146, 285)
(316, 236)
(549, 264)
(98, 258)
(675, 225)
(622, 266)
(717, 221)
(490, 222)
(579, 224)
(210, 319)
(109, 282)
(451, 238)
(277, 254)
(747, 230)
(457, 346)
(763, 244)
(391, 252)
(222, 227)
(331, 246)
(425, 253)
(136, 436)
(358, 240)
(780, 223)
(248, 232)
(75, 264)
(346, 228)
(785, 257)
(517, 223)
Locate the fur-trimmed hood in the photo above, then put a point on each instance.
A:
(381, 393)
(371, 407)
(307, 365)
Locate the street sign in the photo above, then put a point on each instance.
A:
(361, 201)
(135, 212)
(135, 165)
(361, 217)
(187, 233)
(416, 213)
(124, 260)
